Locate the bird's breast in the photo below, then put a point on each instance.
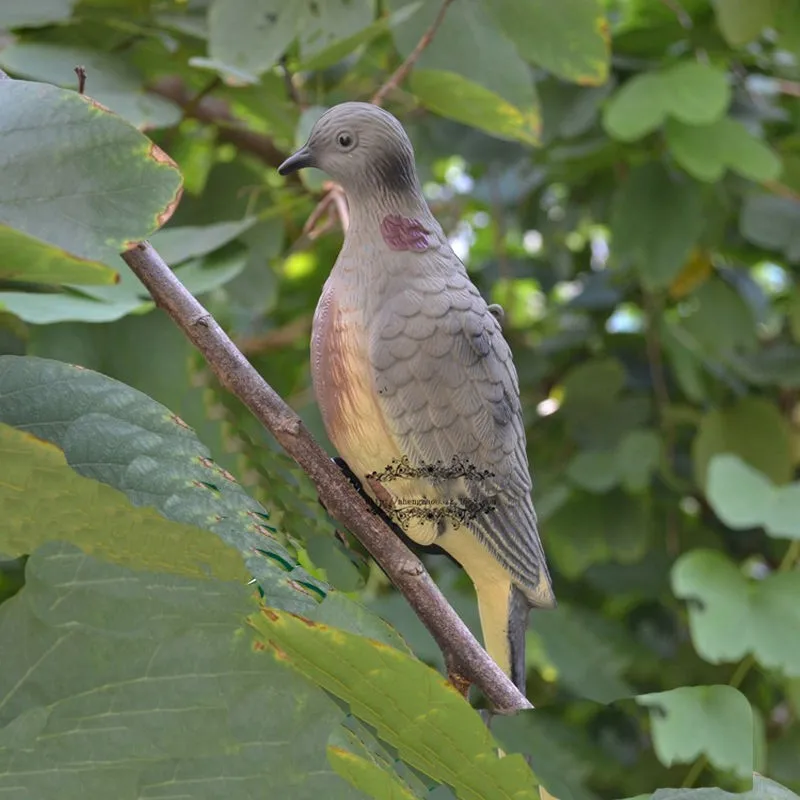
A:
(344, 384)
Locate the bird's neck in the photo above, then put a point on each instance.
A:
(369, 213)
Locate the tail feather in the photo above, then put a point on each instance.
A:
(518, 610)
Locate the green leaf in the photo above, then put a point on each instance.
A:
(461, 35)
(77, 176)
(691, 721)
(28, 259)
(743, 498)
(720, 323)
(180, 243)
(585, 660)
(706, 151)
(557, 756)
(741, 21)
(594, 471)
(110, 80)
(752, 429)
(656, 220)
(772, 222)
(119, 436)
(569, 39)
(731, 616)
(412, 707)
(44, 500)
(368, 776)
(343, 48)
(763, 789)
(35, 12)
(592, 529)
(136, 684)
(637, 458)
(45, 309)
(632, 464)
(248, 37)
(455, 97)
(694, 93)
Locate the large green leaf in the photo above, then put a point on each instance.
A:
(570, 38)
(743, 498)
(741, 21)
(731, 616)
(119, 436)
(77, 176)
(31, 260)
(412, 706)
(707, 151)
(135, 684)
(694, 93)
(694, 720)
(453, 96)
(655, 221)
(43, 499)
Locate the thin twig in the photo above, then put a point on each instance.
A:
(684, 20)
(658, 378)
(81, 73)
(333, 201)
(343, 502)
(214, 111)
(401, 73)
(277, 338)
(288, 79)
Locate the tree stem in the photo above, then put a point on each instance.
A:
(404, 569)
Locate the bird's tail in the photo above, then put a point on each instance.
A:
(504, 613)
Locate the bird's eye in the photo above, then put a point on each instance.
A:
(345, 140)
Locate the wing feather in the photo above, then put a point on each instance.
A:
(448, 388)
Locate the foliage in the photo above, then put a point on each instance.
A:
(623, 176)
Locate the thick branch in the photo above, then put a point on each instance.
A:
(403, 568)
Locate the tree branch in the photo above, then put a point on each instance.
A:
(401, 73)
(214, 111)
(343, 502)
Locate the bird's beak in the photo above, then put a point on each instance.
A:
(302, 158)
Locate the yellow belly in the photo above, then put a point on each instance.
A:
(355, 421)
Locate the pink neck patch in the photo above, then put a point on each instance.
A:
(404, 233)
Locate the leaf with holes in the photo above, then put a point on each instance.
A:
(412, 706)
(743, 498)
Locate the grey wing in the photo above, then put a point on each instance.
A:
(447, 383)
